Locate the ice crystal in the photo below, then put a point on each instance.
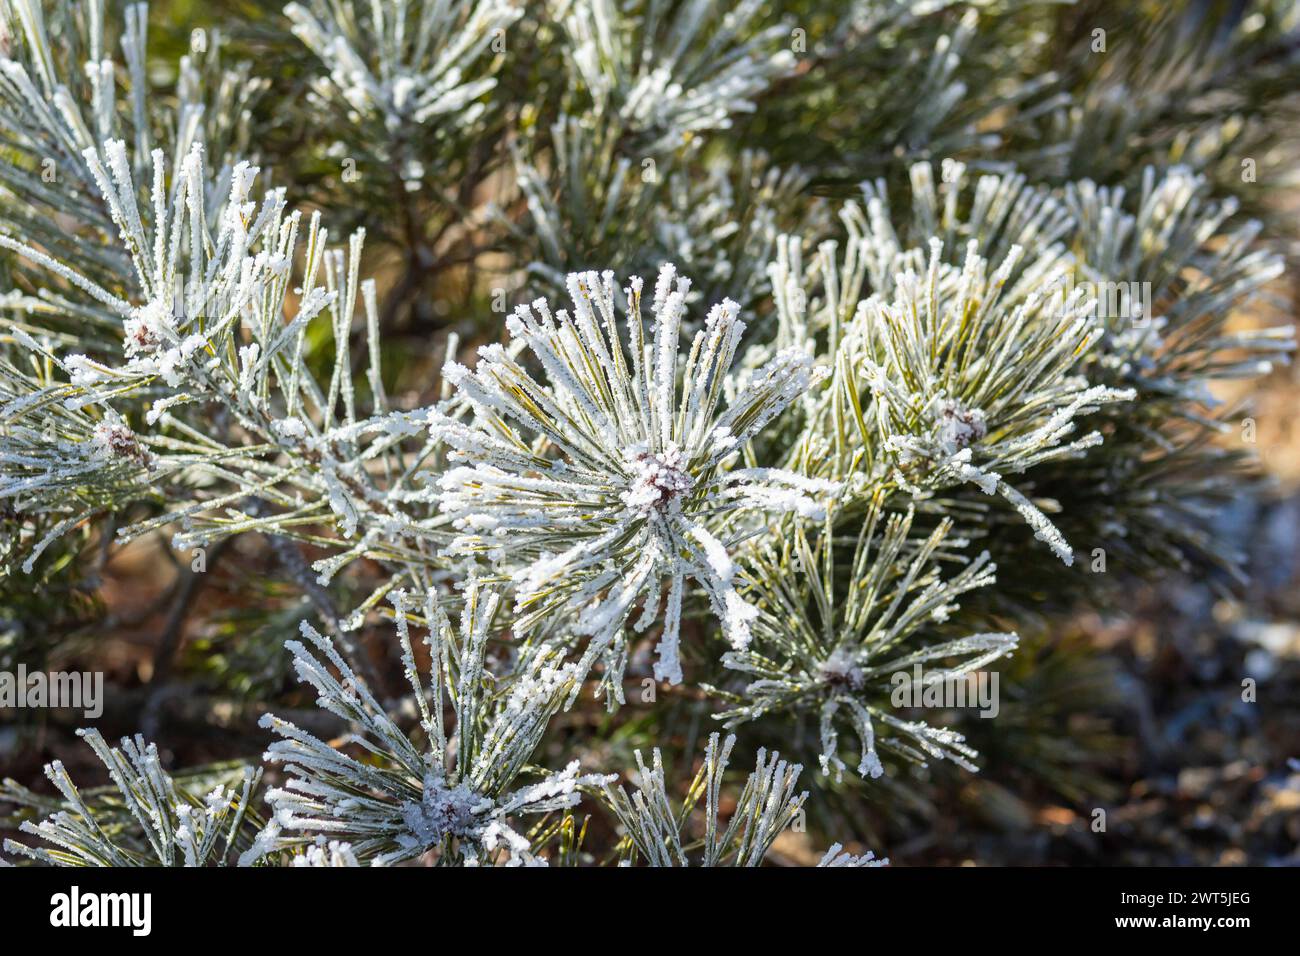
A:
(328, 854)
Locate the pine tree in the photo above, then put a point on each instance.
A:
(879, 401)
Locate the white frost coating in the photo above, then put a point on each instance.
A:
(373, 67)
(766, 807)
(213, 345)
(957, 427)
(837, 856)
(112, 440)
(715, 554)
(176, 827)
(331, 854)
(658, 480)
(289, 428)
(612, 462)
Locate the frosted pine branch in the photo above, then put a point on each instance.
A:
(788, 480)
(592, 488)
(423, 67)
(458, 792)
(933, 371)
(163, 823)
(208, 326)
(832, 652)
(655, 827)
(690, 71)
